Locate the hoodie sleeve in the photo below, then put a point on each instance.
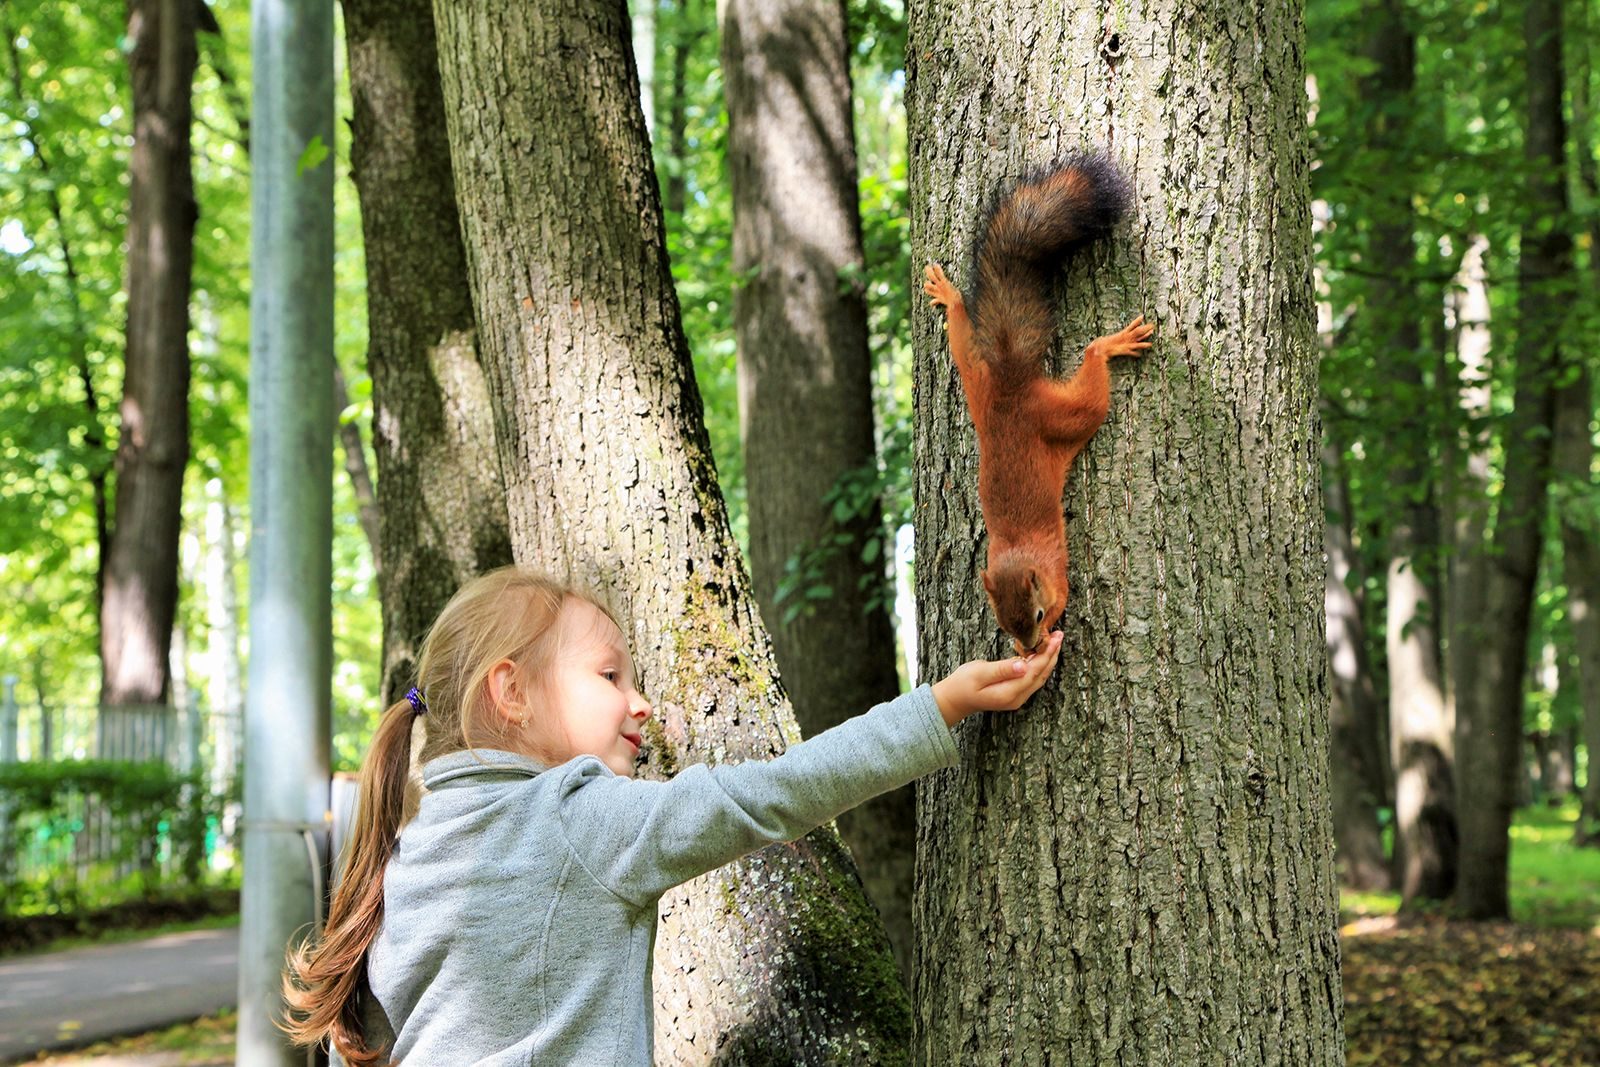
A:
(640, 838)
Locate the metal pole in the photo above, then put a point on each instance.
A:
(291, 506)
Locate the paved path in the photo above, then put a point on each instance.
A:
(66, 999)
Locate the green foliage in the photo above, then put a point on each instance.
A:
(64, 143)
(146, 815)
(1553, 882)
(854, 499)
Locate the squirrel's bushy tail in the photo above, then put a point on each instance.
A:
(1029, 230)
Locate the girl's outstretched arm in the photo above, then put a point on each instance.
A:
(638, 839)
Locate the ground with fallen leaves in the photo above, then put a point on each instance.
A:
(1417, 991)
(1426, 991)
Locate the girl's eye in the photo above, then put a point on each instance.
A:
(609, 676)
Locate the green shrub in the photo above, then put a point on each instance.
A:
(82, 832)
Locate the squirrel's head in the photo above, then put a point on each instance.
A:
(1027, 599)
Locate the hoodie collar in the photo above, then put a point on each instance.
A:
(475, 761)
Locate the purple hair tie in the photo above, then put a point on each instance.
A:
(418, 705)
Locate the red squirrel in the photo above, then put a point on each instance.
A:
(1031, 426)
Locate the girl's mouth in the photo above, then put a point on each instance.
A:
(634, 739)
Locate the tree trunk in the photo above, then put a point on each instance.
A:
(609, 477)
(141, 570)
(226, 690)
(1490, 733)
(805, 396)
(1466, 498)
(1419, 734)
(441, 504)
(1580, 539)
(355, 465)
(1356, 775)
(685, 35)
(1138, 867)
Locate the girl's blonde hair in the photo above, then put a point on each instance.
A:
(506, 614)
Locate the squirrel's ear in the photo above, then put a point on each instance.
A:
(1033, 579)
(988, 583)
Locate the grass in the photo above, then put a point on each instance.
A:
(1553, 883)
(206, 1042)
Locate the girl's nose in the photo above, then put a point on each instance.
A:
(641, 708)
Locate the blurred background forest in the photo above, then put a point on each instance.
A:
(1446, 220)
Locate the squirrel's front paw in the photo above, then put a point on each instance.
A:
(1132, 340)
(939, 288)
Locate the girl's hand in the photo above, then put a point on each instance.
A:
(997, 685)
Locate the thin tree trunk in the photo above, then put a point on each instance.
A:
(805, 394)
(226, 691)
(1419, 734)
(778, 958)
(355, 465)
(1574, 462)
(1491, 732)
(1137, 868)
(141, 574)
(1466, 499)
(94, 438)
(684, 37)
(441, 504)
(1355, 760)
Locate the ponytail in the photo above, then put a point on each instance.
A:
(509, 613)
(326, 975)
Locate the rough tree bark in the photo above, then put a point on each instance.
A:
(1138, 868)
(141, 566)
(441, 505)
(1420, 738)
(609, 479)
(805, 391)
(1489, 746)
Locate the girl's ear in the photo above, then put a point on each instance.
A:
(505, 692)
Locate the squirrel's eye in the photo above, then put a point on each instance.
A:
(1039, 617)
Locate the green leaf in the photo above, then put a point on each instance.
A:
(312, 157)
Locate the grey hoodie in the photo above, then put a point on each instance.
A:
(520, 904)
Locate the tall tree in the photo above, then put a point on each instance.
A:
(1356, 777)
(1489, 746)
(1421, 745)
(441, 504)
(1137, 868)
(609, 481)
(1579, 504)
(1466, 497)
(141, 566)
(805, 396)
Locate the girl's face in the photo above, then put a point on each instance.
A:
(591, 706)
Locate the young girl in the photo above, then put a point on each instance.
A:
(512, 920)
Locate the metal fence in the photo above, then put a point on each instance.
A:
(84, 837)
